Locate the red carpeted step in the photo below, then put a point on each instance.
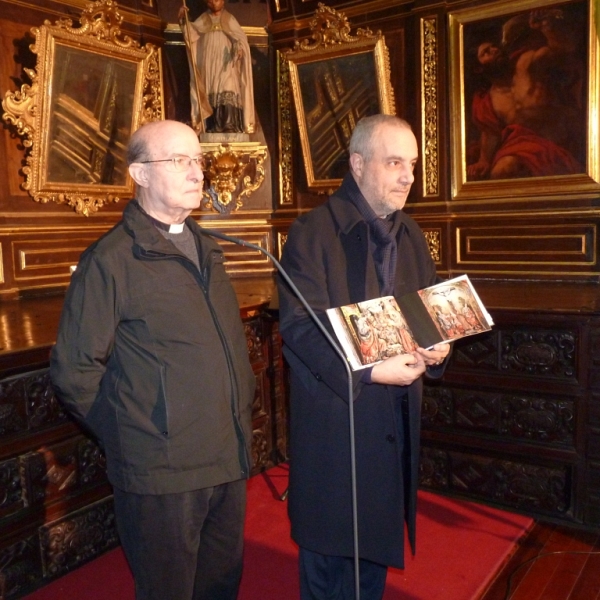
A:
(460, 546)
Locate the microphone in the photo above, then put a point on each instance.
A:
(340, 353)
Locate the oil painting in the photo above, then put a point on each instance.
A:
(523, 94)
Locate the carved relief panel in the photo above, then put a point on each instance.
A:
(522, 350)
(515, 483)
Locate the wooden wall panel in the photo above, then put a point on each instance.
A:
(38, 258)
(514, 422)
(47, 256)
(567, 249)
(242, 260)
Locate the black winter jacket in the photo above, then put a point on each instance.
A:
(151, 356)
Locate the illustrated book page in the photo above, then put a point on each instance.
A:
(371, 331)
(374, 330)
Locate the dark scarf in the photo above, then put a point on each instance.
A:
(384, 243)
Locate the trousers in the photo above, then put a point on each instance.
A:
(332, 577)
(185, 546)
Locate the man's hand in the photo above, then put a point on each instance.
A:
(181, 14)
(401, 369)
(435, 356)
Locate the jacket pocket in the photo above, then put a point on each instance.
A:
(160, 414)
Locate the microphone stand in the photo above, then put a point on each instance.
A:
(340, 353)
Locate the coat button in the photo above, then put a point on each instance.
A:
(390, 438)
(318, 377)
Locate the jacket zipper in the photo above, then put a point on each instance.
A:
(204, 286)
(242, 455)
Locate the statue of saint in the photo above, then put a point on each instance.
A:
(221, 94)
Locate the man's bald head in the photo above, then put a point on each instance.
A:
(147, 140)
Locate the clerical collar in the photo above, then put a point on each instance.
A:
(169, 228)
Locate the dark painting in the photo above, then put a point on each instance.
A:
(336, 93)
(525, 93)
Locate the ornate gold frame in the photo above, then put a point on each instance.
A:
(76, 123)
(319, 66)
(553, 187)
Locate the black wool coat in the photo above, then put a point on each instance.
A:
(327, 256)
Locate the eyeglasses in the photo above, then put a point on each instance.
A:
(178, 164)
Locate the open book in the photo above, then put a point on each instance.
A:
(374, 330)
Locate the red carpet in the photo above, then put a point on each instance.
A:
(460, 546)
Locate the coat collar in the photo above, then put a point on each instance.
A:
(141, 228)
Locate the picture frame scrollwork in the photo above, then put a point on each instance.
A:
(91, 89)
(336, 78)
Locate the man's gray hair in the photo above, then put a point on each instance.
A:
(363, 135)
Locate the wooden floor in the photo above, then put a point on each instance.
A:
(571, 569)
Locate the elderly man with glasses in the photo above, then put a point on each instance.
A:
(151, 357)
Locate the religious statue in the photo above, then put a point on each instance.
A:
(221, 94)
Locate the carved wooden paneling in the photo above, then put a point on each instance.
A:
(278, 394)
(430, 107)
(594, 356)
(515, 417)
(56, 470)
(593, 438)
(13, 408)
(434, 242)
(530, 351)
(12, 498)
(78, 537)
(27, 403)
(21, 567)
(260, 408)
(43, 408)
(546, 353)
(513, 483)
(261, 446)
(262, 438)
(254, 338)
(478, 353)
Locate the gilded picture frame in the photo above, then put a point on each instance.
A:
(524, 100)
(336, 79)
(91, 89)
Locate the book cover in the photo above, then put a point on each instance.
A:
(374, 330)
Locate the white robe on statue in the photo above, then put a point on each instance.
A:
(222, 54)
